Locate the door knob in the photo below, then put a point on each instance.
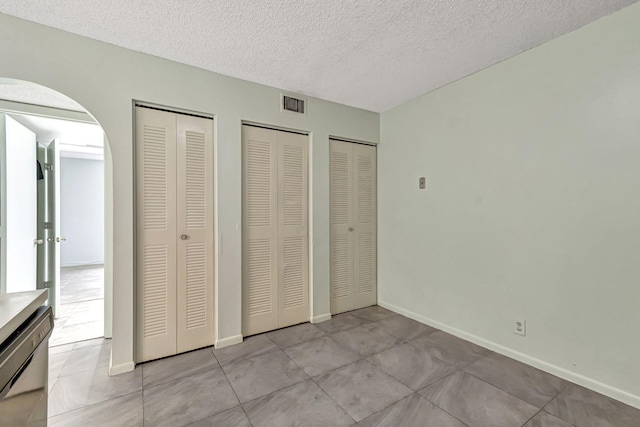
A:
(38, 241)
(350, 228)
(61, 239)
(184, 237)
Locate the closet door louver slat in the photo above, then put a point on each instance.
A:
(365, 256)
(353, 226)
(156, 253)
(195, 221)
(293, 231)
(174, 198)
(340, 214)
(259, 252)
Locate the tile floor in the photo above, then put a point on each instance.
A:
(81, 315)
(369, 367)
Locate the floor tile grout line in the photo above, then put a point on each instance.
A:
(178, 378)
(566, 385)
(436, 357)
(142, 394)
(508, 392)
(348, 364)
(284, 388)
(250, 357)
(400, 342)
(532, 417)
(230, 385)
(332, 399)
(95, 403)
(246, 415)
(442, 409)
(401, 382)
(86, 405)
(274, 391)
(191, 375)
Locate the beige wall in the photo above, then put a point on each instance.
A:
(105, 79)
(532, 209)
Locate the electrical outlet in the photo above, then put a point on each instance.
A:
(422, 183)
(520, 327)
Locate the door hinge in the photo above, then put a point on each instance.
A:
(48, 166)
(48, 225)
(46, 284)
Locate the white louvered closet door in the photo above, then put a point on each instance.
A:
(365, 224)
(156, 233)
(293, 241)
(341, 238)
(259, 231)
(353, 226)
(195, 230)
(275, 282)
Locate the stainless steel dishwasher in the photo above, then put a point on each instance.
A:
(24, 360)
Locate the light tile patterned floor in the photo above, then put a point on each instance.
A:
(81, 315)
(369, 367)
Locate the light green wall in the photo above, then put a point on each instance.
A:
(105, 79)
(532, 209)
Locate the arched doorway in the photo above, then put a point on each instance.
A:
(35, 107)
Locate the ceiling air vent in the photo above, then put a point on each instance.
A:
(296, 105)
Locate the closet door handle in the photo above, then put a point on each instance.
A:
(184, 237)
(350, 228)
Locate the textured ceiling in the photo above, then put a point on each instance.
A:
(372, 54)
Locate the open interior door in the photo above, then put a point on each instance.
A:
(41, 274)
(19, 204)
(52, 225)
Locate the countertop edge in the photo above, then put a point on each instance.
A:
(25, 305)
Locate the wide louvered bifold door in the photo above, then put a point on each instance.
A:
(352, 226)
(275, 277)
(293, 275)
(259, 231)
(174, 233)
(156, 233)
(364, 220)
(195, 230)
(341, 207)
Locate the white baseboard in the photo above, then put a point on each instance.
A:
(83, 264)
(607, 390)
(226, 342)
(121, 368)
(321, 318)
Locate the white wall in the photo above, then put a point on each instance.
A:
(105, 79)
(81, 211)
(532, 209)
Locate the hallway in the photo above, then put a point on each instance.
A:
(81, 314)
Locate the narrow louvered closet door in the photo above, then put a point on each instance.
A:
(259, 231)
(353, 226)
(364, 220)
(341, 212)
(156, 233)
(195, 233)
(293, 259)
